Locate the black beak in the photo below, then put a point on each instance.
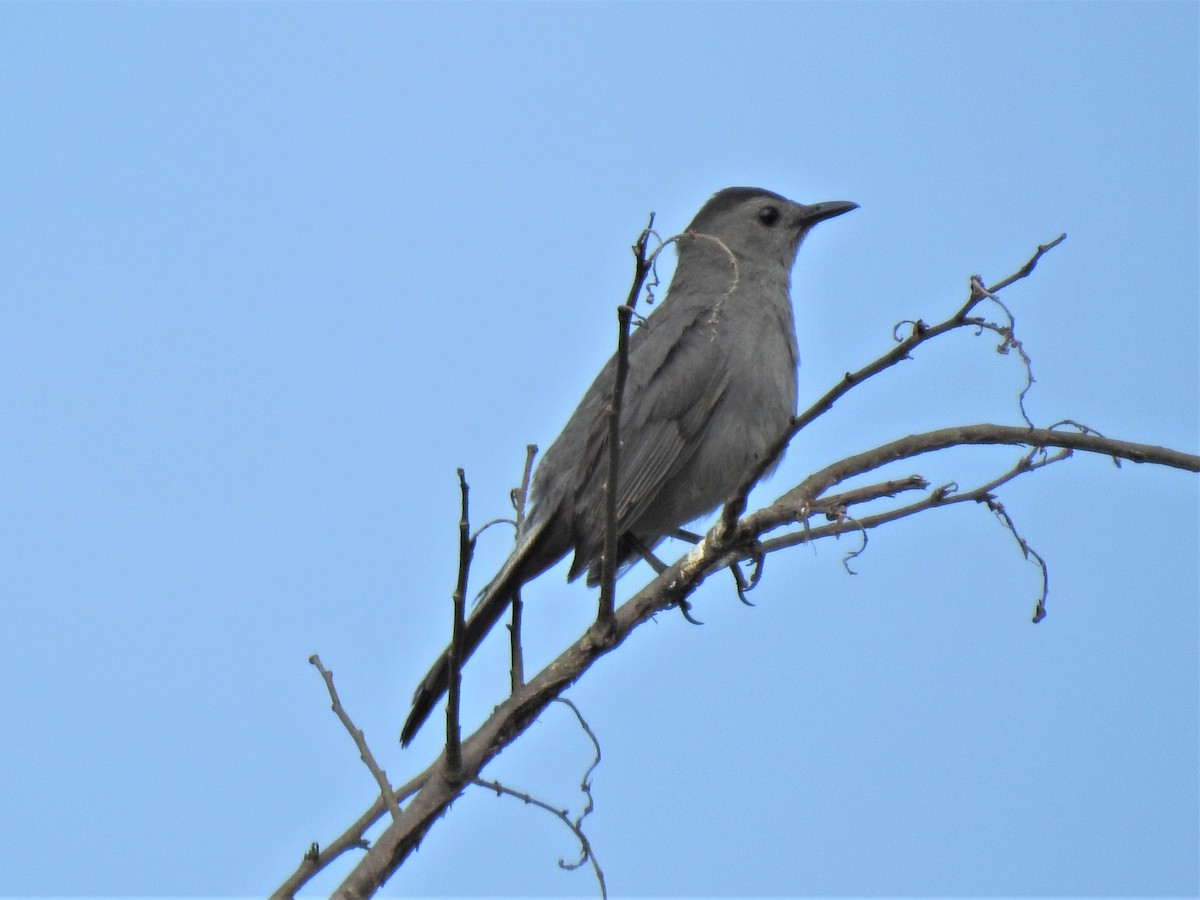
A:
(819, 212)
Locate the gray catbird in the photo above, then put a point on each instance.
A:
(711, 387)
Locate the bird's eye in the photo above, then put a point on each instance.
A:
(768, 215)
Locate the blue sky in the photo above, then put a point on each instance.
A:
(270, 272)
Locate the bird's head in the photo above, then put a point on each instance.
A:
(755, 225)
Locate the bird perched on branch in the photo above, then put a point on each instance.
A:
(711, 387)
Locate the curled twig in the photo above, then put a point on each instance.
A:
(1083, 429)
(861, 547)
(1039, 611)
(652, 280)
(919, 327)
(490, 523)
(585, 783)
(561, 814)
(697, 235)
(1009, 342)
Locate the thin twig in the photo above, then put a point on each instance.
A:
(834, 503)
(316, 858)
(945, 495)
(364, 752)
(1028, 464)
(851, 554)
(516, 655)
(1026, 270)
(1008, 333)
(491, 523)
(608, 561)
(561, 814)
(466, 548)
(585, 783)
(696, 235)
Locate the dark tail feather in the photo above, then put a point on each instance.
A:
(528, 560)
(437, 681)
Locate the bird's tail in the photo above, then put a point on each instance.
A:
(524, 563)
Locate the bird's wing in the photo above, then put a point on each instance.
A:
(659, 437)
(660, 428)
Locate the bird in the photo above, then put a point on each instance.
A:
(711, 387)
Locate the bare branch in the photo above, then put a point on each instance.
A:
(520, 498)
(353, 838)
(608, 561)
(919, 334)
(678, 581)
(364, 752)
(734, 538)
(466, 549)
(946, 495)
(1026, 270)
(917, 444)
(834, 505)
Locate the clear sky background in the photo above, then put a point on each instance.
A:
(270, 272)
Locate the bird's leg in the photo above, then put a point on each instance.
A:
(638, 546)
(743, 586)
